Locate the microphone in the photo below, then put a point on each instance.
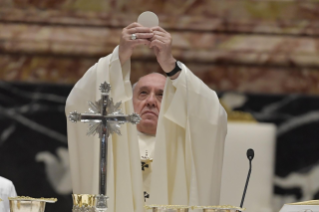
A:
(250, 155)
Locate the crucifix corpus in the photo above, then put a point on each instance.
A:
(104, 118)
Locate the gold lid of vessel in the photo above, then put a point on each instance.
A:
(26, 198)
(28, 204)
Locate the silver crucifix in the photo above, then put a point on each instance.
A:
(104, 118)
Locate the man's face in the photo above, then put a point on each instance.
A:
(147, 98)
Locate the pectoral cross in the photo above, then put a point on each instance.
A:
(104, 118)
(146, 196)
(145, 161)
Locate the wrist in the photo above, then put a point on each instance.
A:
(124, 59)
(168, 65)
(123, 56)
(175, 76)
(174, 73)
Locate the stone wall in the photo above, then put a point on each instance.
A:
(246, 46)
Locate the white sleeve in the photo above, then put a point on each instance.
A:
(12, 191)
(196, 108)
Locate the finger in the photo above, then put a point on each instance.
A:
(139, 30)
(138, 42)
(159, 33)
(132, 25)
(139, 36)
(158, 28)
(157, 37)
(144, 35)
(156, 43)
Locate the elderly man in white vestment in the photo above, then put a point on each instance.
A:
(183, 129)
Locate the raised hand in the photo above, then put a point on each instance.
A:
(161, 43)
(128, 41)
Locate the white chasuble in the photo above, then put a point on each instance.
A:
(189, 144)
(187, 158)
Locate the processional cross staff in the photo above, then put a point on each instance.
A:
(104, 117)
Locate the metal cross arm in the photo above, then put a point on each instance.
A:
(104, 113)
(98, 122)
(98, 118)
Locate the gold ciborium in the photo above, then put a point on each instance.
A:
(28, 204)
(83, 201)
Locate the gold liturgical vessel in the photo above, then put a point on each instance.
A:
(84, 202)
(29, 204)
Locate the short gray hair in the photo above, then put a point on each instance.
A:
(134, 85)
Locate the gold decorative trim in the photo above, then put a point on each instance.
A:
(167, 206)
(219, 207)
(238, 116)
(223, 207)
(310, 202)
(26, 198)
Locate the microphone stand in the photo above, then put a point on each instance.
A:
(250, 156)
(247, 180)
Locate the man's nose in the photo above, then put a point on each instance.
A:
(151, 100)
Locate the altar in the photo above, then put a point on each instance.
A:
(240, 137)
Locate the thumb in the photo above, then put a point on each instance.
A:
(155, 50)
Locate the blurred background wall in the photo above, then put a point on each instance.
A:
(266, 53)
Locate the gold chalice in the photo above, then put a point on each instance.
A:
(81, 201)
(29, 204)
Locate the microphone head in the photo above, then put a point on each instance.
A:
(250, 154)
